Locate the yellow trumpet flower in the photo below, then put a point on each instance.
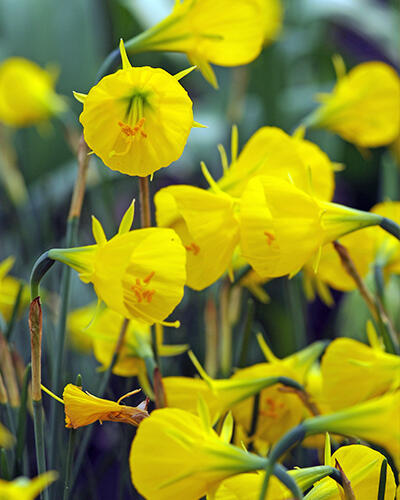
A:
(27, 93)
(361, 466)
(23, 488)
(139, 274)
(191, 459)
(222, 32)
(137, 120)
(282, 227)
(364, 106)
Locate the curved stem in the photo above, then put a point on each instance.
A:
(391, 227)
(40, 268)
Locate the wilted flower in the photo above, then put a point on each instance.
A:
(223, 32)
(191, 459)
(364, 106)
(27, 93)
(140, 274)
(23, 488)
(137, 120)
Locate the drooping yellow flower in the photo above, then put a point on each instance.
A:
(6, 438)
(270, 151)
(278, 409)
(9, 288)
(353, 372)
(137, 120)
(364, 106)
(23, 488)
(82, 408)
(219, 395)
(376, 420)
(27, 93)
(283, 227)
(207, 225)
(140, 274)
(361, 466)
(190, 459)
(222, 32)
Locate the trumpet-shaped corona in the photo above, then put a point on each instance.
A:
(364, 106)
(137, 120)
(27, 95)
(139, 274)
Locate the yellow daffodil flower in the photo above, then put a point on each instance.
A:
(27, 93)
(207, 225)
(82, 408)
(23, 488)
(78, 322)
(222, 32)
(272, 16)
(364, 106)
(191, 459)
(9, 288)
(279, 408)
(219, 395)
(347, 367)
(375, 420)
(6, 438)
(361, 466)
(248, 486)
(140, 274)
(270, 151)
(137, 120)
(282, 227)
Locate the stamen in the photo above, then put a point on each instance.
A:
(193, 248)
(141, 292)
(270, 237)
(128, 394)
(149, 277)
(131, 132)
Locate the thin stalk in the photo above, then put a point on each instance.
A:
(295, 300)
(68, 468)
(382, 480)
(226, 332)
(38, 418)
(4, 472)
(251, 307)
(21, 428)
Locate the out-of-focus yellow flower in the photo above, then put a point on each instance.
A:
(77, 326)
(23, 488)
(353, 372)
(279, 409)
(27, 93)
(364, 106)
(82, 408)
(219, 395)
(270, 151)
(6, 438)
(9, 288)
(272, 16)
(191, 458)
(137, 120)
(376, 420)
(387, 247)
(361, 466)
(222, 32)
(207, 225)
(139, 274)
(282, 227)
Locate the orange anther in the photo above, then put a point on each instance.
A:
(148, 278)
(270, 237)
(131, 132)
(193, 248)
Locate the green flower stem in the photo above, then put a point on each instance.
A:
(379, 281)
(40, 268)
(14, 313)
(69, 459)
(281, 473)
(21, 428)
(391, 227)
(382, 480)
(38, 418)
(247, 333)
(4, 472)
(226, 331)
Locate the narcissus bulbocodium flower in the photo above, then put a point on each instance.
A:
(362, 467)
(9, 288)
(191, 459)
(23, 488)
(137, 120)
(279, 408)
(27, 93)
(364, 106)
(353, 372)
(376, 421)
(219, 395)
(366, 248)
(82, 408)
(282, 227)
(222, 32)
(140, 274)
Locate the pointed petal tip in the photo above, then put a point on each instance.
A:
(79, 96)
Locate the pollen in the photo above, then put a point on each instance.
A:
(193, 248)
(272, 409)
(270, 237)
(142, 293)
(132, 132)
